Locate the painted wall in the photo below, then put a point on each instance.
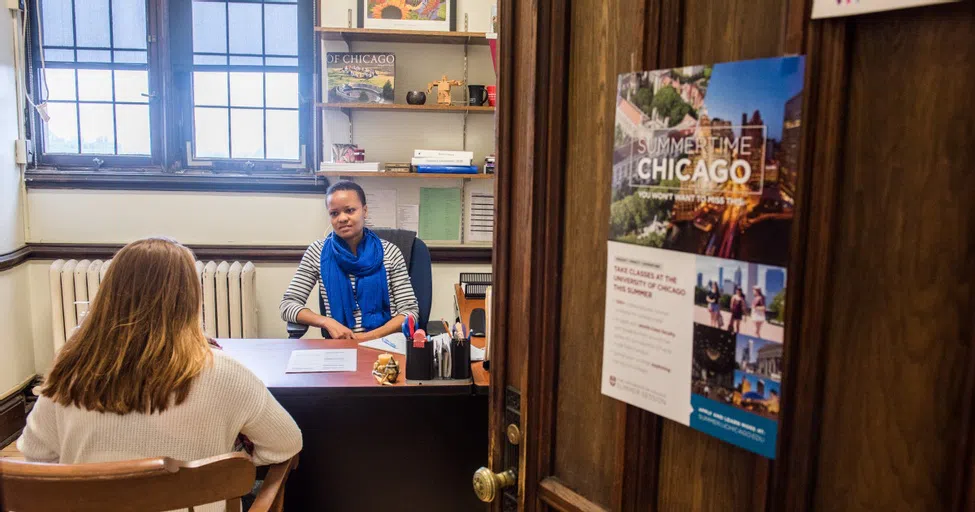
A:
(17, 360)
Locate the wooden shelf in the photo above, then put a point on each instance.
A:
(401, 107)
(401, 36)
(413, 175)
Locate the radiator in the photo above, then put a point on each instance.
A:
(229, 308)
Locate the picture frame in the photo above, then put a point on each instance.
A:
(388, 14)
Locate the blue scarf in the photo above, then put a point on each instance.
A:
(372, 289)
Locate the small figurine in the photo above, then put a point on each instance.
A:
(385, 370)
(443, 89)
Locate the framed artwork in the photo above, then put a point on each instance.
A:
(422, 15)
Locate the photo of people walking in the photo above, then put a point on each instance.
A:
(740, 297)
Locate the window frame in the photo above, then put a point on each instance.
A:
(170, 66)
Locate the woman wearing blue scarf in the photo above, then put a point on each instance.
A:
(365, 288)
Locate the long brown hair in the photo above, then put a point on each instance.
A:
(141, 344)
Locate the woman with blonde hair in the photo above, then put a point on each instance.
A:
(139, 379)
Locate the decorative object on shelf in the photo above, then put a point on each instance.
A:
(478, 95)
(398, 167)
(360, 77)
(343, 153)
(385, 369)
(416, 97)
(443, 89)
(423, 15)
(494, 19)
(492, 95)
(489, 162)
(360, 155)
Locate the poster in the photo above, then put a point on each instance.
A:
(834, 8)
(360, 77)
(705, 166)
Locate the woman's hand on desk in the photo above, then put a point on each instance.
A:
(336, 330)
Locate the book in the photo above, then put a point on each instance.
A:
(446, 169)
(441, 161)
(360, 77)
(436, 153)
(350, 167)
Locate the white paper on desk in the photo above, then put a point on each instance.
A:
(322, 360)
(408, 217)
(382, 208)
(477, 354)
(395, 343)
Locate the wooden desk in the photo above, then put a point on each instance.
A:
(413, 447)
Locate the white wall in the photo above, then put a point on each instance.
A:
(17, 360)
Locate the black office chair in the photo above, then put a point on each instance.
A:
(417, 256)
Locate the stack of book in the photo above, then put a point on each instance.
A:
(489, 164)
(443, 162)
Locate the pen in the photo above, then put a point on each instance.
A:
(391, 344)
(446, 328)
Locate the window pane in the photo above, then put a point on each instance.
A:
(210, 60)
(209, 27)
(281, 29)
(288, 62)
(246, 89)
(133, 129)
(282, 134)
(247, 133)
(130, 57)
(209, 88)
(97, 129)
(245, 22)
(211, 133)
(282, 90)
(131, 85)
(61, 133)
(60, 84)
(59, 55)
(94, 56)
(91, 18)
(57, 22)
(246, 61)
(95, 85)
(129, 23)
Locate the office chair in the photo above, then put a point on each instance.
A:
(418, 264)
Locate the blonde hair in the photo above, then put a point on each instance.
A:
(141, 345)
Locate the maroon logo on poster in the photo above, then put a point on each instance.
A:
(612, 380)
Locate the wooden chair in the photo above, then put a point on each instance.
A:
(139, 485)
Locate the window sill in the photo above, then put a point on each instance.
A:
(187, 181)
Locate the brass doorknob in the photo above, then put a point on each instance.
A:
(488, 484)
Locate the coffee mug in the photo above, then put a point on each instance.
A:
(492, 95)
(478, 95)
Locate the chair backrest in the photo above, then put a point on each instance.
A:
(418, 264)
(146, 484)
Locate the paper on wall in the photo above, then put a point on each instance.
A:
(408, 217)
(382, 208)
(835, 8)
(480, 216)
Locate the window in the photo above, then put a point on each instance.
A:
(96, 78)
(229, 88)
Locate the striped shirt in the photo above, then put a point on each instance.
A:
(401, 298)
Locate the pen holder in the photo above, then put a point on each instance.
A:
(460, 359)
(419, 360)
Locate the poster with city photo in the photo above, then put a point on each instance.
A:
(360, 77)
(705, 167)
(705, 158)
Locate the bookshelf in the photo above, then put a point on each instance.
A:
(350, 35)
(408, 175)
(399, 107)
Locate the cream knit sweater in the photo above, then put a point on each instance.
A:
(226, 399)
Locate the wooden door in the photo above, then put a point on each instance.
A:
(879, 386)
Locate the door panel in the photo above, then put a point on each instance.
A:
(590, 425)
(900, 346)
